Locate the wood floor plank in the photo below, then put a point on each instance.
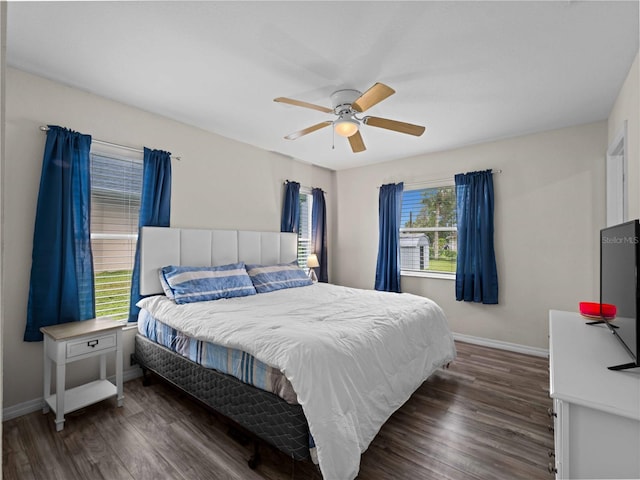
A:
(484, 417)
(130, 447)
(15, 460)
(93, 456)
(45, 448)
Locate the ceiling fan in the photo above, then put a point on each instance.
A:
(347, 104)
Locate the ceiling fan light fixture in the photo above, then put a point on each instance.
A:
(347, 104)
(346, 126)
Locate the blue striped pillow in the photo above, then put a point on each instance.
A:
(276, 277)
(165, 286)
(199, 284)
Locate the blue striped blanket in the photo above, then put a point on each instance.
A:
(243, 366)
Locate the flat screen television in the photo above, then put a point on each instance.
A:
(619, 285)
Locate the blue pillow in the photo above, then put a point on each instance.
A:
(165, 286)
(276, 277)
(199, 284)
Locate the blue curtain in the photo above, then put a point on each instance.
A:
(388, 266)
(476, 273)
(155, 210)
(319, 233)
(61, 287)
(291, 207)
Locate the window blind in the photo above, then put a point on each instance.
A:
(304, 228)
(116, 185)
(428, 230)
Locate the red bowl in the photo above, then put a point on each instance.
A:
(598, 310)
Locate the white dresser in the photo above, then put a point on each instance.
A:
(596, 411)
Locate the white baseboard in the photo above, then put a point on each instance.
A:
(512, 347)
(36, 404)
(23, 408)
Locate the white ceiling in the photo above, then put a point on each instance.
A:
(468, 71)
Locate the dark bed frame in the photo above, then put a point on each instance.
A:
(261, 413)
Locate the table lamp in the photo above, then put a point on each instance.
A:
(312, 262)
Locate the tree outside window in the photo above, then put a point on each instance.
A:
(428, 233)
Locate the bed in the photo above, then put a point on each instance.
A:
(351, 356)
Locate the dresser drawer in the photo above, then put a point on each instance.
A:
(83, 346)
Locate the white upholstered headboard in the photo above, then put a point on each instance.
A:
(162, 246)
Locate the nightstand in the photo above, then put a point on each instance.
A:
(74, 341)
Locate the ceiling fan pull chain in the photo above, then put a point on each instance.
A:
(333, 139)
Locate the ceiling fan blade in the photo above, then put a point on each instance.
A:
(394, 125)
(313, 128)
(299, 103)
(357, 144)
(374, 95)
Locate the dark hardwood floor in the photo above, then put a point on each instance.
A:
(483, 418)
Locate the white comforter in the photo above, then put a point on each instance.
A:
(353, 356)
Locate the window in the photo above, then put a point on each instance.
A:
(304, 227)
(428, 231)
(116, 185)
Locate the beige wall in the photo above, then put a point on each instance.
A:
(549, 207)
(3, 51)
(218, 183)
(627, 108)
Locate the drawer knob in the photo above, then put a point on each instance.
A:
(92, 343)
(552, 468)
(551, 453)
(551, 413)
(550, 427)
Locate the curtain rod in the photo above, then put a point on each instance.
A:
(302, 186)
(44, 128)
(439, 180)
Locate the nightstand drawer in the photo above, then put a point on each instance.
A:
(82, 346)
